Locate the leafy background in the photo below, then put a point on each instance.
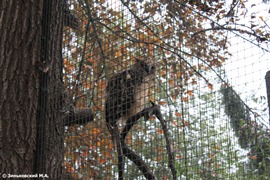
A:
(217, 132)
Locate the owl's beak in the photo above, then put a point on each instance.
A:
(150, 68)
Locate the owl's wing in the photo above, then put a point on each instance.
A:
(120, 96)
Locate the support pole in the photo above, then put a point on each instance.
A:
(267, 80)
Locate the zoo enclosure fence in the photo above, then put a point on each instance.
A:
(210, 89)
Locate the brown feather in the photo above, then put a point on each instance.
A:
(128, 92)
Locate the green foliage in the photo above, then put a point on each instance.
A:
(238, 114)
(251, 135)
(188, 41)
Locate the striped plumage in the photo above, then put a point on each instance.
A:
(128, 92)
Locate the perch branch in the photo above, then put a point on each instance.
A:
(119, 146)
(155, 109)
(116, 139)
(136, 159)
(158, 114)
(79, 116)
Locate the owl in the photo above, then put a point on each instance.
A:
(127, 92)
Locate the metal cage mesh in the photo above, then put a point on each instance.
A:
(209, 86)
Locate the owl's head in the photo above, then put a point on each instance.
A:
(147, 66)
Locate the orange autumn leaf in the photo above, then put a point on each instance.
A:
(158, 158)
(70, 169)
(67, 164)
(210, 86)
(118, 54)
(159, 131)
(161, 103)
(152, 118)
(178, 156)
(217, 147)
(152, 12)
(194, 82)
(102, 84)
(185, 123)
(253, 157)
(177, 114)
(190, 93)
(173, 97)
(123, 49)
(171, 82)
(163, 73)
(84, 153)
(150, 49)
(157, 40)
(141, 36)
(95, 131)
(185, 99)
(150, 33)
(86, 85)
(174, 123)
(211, 155)
(168, 52)
(102, 161)
(107, 154)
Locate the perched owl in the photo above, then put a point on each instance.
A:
(128, 92)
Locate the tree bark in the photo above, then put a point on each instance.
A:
(50, 121)
(20, 27)
(31, 88)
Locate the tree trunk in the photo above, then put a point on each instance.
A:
(267, 80)
(31, 89)
(50, 131)
(20, 27)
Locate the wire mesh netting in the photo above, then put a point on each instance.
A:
(167, 90)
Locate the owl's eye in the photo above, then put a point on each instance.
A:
(148, 68)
